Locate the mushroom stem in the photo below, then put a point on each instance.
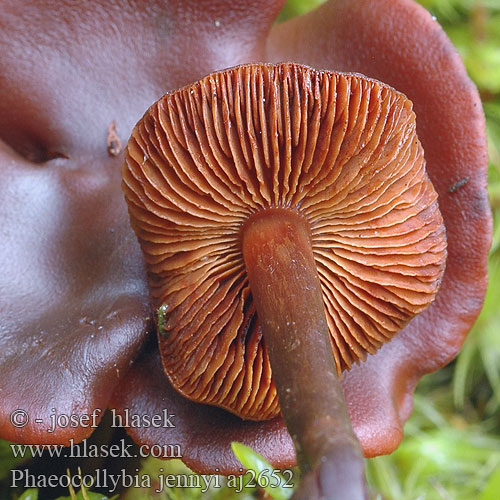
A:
(287, 293)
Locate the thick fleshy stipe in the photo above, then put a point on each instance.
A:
(339, 149)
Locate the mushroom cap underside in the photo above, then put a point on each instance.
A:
(339, 149)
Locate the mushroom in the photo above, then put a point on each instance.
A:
(289, 229)
(74, 305)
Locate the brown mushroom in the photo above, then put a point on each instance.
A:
(74, 304)
(289, 229)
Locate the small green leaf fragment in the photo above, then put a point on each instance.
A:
(265, 473)
(31, 494)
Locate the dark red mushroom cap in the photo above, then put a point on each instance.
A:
(68, 71)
